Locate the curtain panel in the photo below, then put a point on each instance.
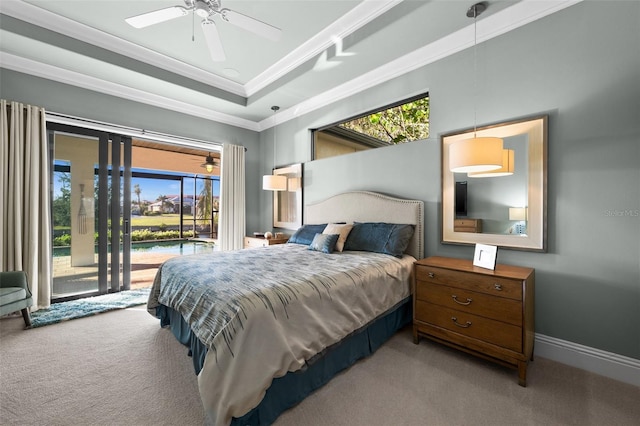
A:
(232, 194)
(25, 213)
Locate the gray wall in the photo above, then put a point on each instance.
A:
(74, 101)
(582, 67)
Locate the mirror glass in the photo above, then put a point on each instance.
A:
(287, 205)
(404, 121)
(506, 211)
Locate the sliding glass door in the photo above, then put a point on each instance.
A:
(91, 203)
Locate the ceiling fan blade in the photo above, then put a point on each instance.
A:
(213, 40)
(250, 24)
(157, 16)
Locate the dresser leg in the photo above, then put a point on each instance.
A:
(416, 339)
(532, 348)
(522, 373)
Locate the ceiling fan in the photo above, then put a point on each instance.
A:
(207, 9)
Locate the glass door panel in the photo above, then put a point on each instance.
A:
(89, 212)
(75, 261)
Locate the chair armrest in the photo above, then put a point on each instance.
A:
(15, 279)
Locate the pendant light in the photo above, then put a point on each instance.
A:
(274, 182)
(475, 154)
(209, 164)
(507, 169)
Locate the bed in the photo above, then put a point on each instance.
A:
(268, 326)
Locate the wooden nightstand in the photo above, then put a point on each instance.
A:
(485, 313)
(253, 242)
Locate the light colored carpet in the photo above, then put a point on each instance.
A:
(121, 368)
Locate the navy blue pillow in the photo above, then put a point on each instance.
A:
(304, 235)
(325, 243)
(387, 238)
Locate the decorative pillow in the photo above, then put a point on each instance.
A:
(387, 238)
(342, 230)
(325, 243)
(304, 235)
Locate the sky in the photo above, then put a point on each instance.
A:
(151, 189)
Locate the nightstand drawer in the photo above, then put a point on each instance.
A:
(497, 308)
(487, 330)
(495, 286)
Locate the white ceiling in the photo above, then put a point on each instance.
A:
(329, 49)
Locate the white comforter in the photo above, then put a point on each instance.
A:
(264, 312)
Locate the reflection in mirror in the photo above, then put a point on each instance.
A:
(489, 198)
(404, 121)
(287, 205)
(509, 210)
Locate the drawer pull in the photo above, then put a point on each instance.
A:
(455, 321)
(432, 275)
(455, 299)
(497, 286)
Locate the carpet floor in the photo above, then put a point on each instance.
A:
(80, 308)
(121, 368)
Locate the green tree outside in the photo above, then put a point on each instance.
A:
(403, 123)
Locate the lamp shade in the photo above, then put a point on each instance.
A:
(274, 182)
(508, 157)
(475, 155)
(517, 213)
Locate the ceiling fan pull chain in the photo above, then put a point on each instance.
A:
(193, 27)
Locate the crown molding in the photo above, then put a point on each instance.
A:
(506, 20)
(43, 18)
(356, 18)
(350, 22)
(511, 18)
(72, 78)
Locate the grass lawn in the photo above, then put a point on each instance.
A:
(169, 219)
(166, 219)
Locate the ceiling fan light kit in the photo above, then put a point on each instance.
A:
(207, 10)
(202, 9)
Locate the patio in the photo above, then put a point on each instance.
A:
(69, 280)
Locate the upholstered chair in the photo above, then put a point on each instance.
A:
(15, 294)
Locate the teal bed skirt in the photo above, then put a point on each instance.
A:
(290, 389)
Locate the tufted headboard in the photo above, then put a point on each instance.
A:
(365, 206)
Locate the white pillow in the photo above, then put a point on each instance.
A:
(342, 230)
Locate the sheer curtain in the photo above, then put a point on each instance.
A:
(232, 194)
(25, 218)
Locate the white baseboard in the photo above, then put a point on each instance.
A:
(614, 366)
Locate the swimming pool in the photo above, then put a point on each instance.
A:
(166, 247)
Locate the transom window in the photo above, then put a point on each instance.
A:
(405, 121)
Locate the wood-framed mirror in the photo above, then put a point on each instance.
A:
(505, 211)
(287, 204)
